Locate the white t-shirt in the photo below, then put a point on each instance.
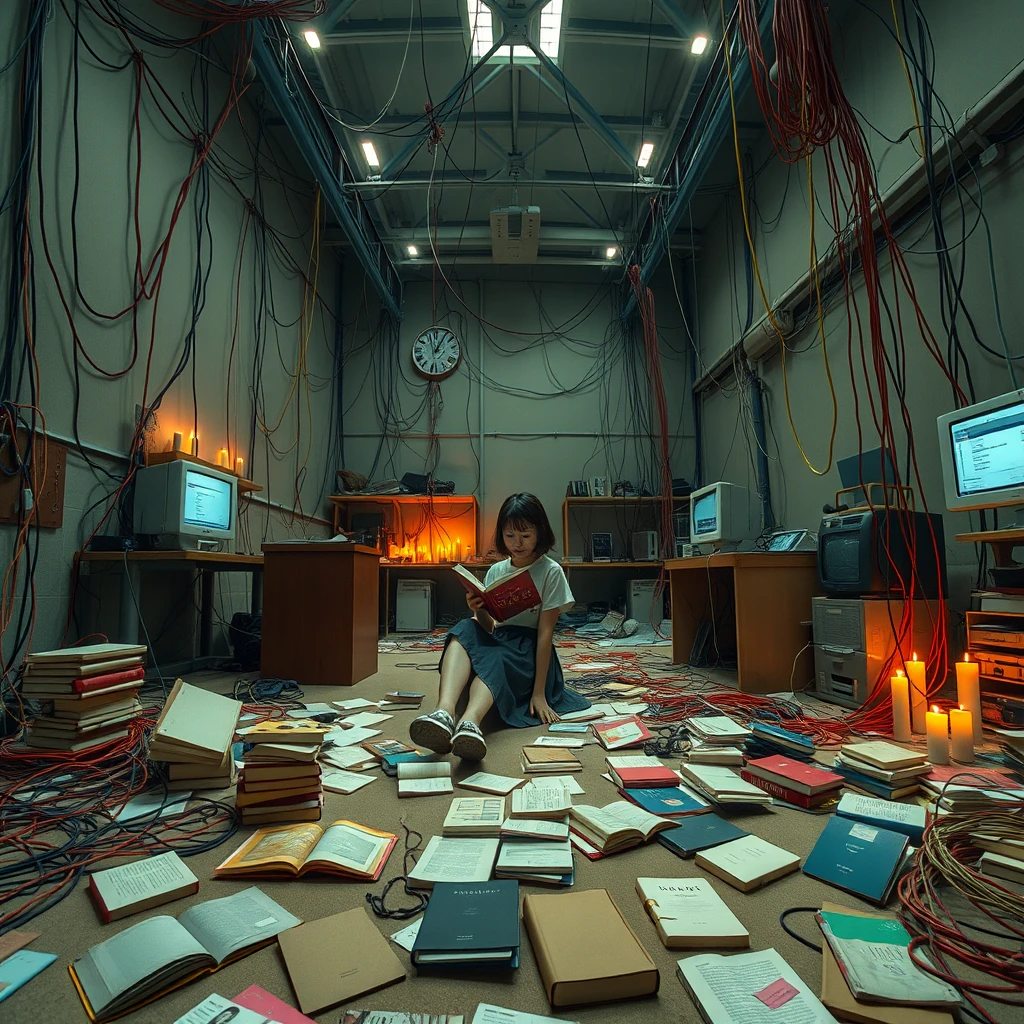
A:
(551, 584)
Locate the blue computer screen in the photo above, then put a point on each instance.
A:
(705, 514)
(207, 501)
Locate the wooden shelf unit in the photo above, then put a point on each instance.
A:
(159, 458)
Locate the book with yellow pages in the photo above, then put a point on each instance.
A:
(147, 960)
(343, 848)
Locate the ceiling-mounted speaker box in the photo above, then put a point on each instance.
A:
(515, 234)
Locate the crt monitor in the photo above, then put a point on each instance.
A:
(186, 506)
(723, 514)
(982, 452)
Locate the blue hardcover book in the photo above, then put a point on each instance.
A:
(755, 748)
(859, 858)
(21, 967)
(873, 786)
(470, 924)
(700, 832)
(390, 762)
(668, 802)
(776, 734)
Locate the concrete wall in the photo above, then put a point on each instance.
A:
(971, 56)
(265, 328)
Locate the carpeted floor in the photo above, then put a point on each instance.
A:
(73, 926)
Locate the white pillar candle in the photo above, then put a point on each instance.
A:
(176, 442)
(899, 685)
(961, 732)
(968, 694)
(937, 726)
(918, 693)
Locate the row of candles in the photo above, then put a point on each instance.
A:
(961, 728)
(223, 456)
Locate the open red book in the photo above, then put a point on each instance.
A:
(506, 597)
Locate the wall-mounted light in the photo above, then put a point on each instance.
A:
(312, 39)
(412, 250)
(611, 252)
(645, 154)
(371, 154)
(699, 45)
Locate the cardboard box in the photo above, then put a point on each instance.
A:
(585, 950)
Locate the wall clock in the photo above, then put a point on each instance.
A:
(436, 353)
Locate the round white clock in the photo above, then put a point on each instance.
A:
(436, 353)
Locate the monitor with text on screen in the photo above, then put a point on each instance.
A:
(982, 452)
(723, 514)
(186, 506)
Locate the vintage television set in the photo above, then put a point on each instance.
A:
(186, 506)
(724, 515)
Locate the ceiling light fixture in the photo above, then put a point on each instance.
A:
(611, 252)
(312, 39)
(412, 250)
(699, 45)
(645, 154)
(371, 154)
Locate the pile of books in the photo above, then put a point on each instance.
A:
(549, 761)
(723, 786)
(474, 816)
(1002, 856)
(280, 779)
(89, 695)
(879, 768)
(967, 789)
(765, 740)
(714, 753)
(803, 785)
(544, 861)
(719, 730)
(194, 735)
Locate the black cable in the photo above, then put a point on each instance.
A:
(792, 934)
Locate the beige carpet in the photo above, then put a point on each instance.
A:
(71, 927)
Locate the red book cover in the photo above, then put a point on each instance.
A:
(791, 796)
(968, 775)
(128, 675)
(504, 598)
(625, 732)
(798, 776)
(259, 1000)
(645, 778)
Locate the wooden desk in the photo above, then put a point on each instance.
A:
(770, 596)
(208, 563)
(320, 612)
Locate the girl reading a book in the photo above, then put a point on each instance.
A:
(510, 665)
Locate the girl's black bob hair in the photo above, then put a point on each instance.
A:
(519, 510)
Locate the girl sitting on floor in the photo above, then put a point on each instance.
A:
(511, 665)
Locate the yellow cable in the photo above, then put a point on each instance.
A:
(906, 72)
(760, 281)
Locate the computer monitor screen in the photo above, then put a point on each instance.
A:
(207, 501)
(705, 514)
(988, 451)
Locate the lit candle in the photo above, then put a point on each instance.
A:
(239, 465)
(918, 694)
(176, 442)
(193, 443)
(968, 694)
(222, 458)
(937, 725)
(961, 731)
(900, 707)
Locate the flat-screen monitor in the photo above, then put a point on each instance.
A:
(982, 452)
(723, 514)
(185, 506)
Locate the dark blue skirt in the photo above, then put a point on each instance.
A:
(506, 661)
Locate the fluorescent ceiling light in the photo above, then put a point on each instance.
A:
(481, 31)
(645, 154)
(371, 154)
(412, 250)
(611, 252)
(312, 39)
(699, 45)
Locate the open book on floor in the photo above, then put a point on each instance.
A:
(160, 954)
(616, 826)
(343, 848)
(141, 885)
(504, 598)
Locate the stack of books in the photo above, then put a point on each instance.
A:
(766, 740)
(281, 779)
(713, 753)
(194, 735)
(879, 768)
(794, 782)
(89, 695)
(549, 761)
(639, 771)
(474, 816)
(966, 789)
(1002, 857)
(723, 786)
(540, 861)
(717, 729)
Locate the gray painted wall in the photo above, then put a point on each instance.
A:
(971, 59)
(106, 248)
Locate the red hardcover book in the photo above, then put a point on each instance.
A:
(621, 733)
(797, 776)
(642, 778)
(504, 598)
(128, 675)
(791, 796)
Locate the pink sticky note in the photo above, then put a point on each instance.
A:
(777, 994)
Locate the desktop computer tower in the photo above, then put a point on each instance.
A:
(641, 603)
(645, 545)
(414, 606)
(854, 639)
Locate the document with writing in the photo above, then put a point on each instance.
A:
(454, 860)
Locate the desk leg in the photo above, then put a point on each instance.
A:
(129, 625)
(256, 598)
(689, 606)
(206, 613)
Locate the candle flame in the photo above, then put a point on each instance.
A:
(899, 672)
(967, 656)
(914, 658)
(935, 709)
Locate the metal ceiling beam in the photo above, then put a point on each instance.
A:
(626, 33)
(319, 148)
(530, 118)
(681, 22)
(394, 30)
(325, 23)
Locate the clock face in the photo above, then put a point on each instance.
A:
(436, 353)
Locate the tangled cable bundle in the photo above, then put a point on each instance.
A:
(943, 864)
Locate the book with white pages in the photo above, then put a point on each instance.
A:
(338, 780)
(454, 860)
(747, 863)
(485, 782)
(534, 828)
(141, 885)
(347, 758)
(534, 858)
(560, 740)
(722, 785)
(750, 988)
(342, 737)
(474, 816)
(689, 914)
(353, 703)
(547, 781)
(617, 825)
(717, 729)
(424, 778)
(425, 787)
(712, 753)
(588, 715)
(364, 719)
(543, 802)
(488, 1013)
